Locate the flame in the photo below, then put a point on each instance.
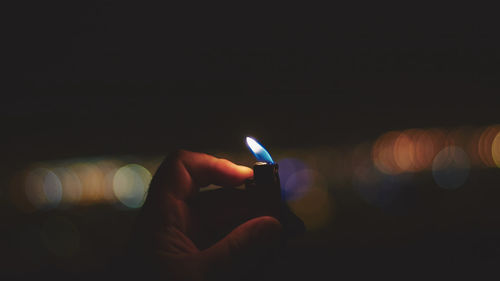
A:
(259, 151)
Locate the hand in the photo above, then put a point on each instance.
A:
(166, 227)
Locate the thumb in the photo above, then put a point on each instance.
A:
(245, 247)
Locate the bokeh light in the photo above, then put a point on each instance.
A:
(427, 144)
(52, 188)
(495, 149)
(451, 167)
(34, 187)
(80, 182)
(485, 145)
(108, 169)
(383, 153)
(91, 179)
(411, 150)
(72, 187)
(130, 184)
(297, 185)
(295, 178)
(60, 236)
(43, 188)
(404, 151)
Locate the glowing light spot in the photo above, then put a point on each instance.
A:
(485, 145)
(61, 236)
(495, 149)
(259, 151)
(409, 151)
(451, 167)
(108, 169)
(130, 184)
(429, 144)
(404, 152)
(295, 178)
(34, 187)
(71, 186)
(424, 145)
(91, 178)
(43, 188)
(383, 153)
(298, 184)
(52, 188)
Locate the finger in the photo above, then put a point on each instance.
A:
(183, 173)
(246, 245)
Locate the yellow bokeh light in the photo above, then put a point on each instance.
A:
(485, 145)
(495, 149)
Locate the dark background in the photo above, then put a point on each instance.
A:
(170, 74)
(88, 78)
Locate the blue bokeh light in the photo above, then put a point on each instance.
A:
(295, 178)
(451, 167)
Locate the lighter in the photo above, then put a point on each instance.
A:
(219, 211)
(265, 187)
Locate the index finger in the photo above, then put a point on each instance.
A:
(182, 173)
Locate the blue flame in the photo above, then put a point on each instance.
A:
(259, 151)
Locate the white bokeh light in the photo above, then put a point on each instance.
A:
(451, 167)
(130, 184)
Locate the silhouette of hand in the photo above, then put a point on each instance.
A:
(166, 225)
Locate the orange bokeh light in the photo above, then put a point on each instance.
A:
(91, 179)
(408, 151)
(404, 151)
(383, 153)
(485, 145)
(427, 144)
(495, 149)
